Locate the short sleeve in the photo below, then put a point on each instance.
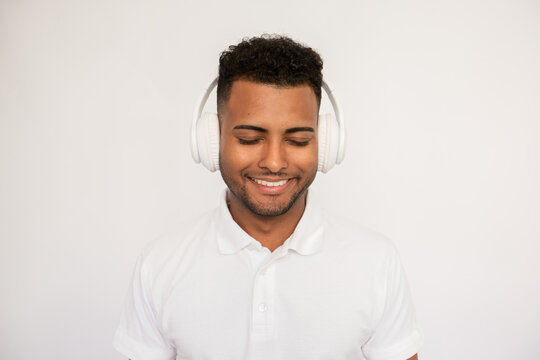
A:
(139, 335)
(397, 335)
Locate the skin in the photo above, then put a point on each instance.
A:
(268, 133)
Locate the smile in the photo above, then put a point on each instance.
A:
(270, 183)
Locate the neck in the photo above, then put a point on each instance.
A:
(270, 231)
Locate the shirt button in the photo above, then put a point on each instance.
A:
(263, 307)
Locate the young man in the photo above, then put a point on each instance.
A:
(268, 275)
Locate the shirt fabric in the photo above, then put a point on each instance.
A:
(210, 291)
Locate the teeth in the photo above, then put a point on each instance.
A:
(270, 183)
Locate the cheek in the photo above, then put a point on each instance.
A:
(307, 159)
(234, 154)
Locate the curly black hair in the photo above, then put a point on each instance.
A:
(269, 59)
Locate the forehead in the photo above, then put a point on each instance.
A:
(265, 104)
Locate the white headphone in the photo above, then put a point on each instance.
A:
(205, 134)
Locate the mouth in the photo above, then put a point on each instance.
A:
(271, 186)
(269, 183)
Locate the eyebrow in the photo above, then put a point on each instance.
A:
(298, 129)
(250, 127)
(260, 129)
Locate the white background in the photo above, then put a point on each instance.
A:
(442, 105)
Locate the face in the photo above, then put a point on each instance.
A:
(268, 145)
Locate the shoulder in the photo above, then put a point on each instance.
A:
(346, 235)
(350, 232)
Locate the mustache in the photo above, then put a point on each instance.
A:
(271, 174)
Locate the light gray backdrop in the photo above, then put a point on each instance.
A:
(442, 106)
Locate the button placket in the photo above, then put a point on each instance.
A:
(263, 313)
(261, 301)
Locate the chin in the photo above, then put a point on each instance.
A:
(270, 206)
(269, 210)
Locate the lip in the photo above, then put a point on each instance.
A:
(271, 190)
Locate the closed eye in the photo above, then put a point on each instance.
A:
(248, 142)
(299, 143)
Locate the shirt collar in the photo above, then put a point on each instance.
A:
(307, 238)
(230, 236)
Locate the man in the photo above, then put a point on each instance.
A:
(268, 275)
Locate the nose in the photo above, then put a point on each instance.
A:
(274, 156)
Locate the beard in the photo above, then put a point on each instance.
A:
(272, 208)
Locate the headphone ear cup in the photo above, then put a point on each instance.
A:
(208, 140)
(328, 130)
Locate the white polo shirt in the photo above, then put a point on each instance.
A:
(211, 292)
